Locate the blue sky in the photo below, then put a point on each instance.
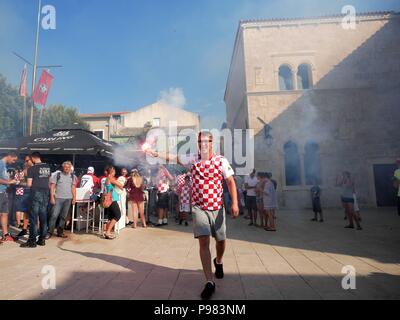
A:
(120, 55)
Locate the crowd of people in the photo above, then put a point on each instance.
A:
(204, 192)
(45, 196)
(260, 198)
(199, 192)
(42, 198)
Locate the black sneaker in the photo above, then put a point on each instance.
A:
(165, 224)
(41, 242)
(62, 235)
(349, 227)
(219, 269)
(23, 233)
(28, 244)
(208, 291)
(186, 223)
(180, 222)
(48, 236)
(159, 225)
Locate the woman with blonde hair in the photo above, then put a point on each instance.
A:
(346, 182)
(135, 188)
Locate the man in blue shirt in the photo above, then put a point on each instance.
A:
(5, 181)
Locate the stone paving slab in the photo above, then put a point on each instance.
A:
(302, 260)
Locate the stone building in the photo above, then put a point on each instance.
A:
(321, 99)
(124, 127)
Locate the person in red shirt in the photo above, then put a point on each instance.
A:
(163, 187)
(208, 171)
(135, 187)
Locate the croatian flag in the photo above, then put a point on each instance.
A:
(43, 88)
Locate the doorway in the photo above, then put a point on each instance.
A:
(383, 179)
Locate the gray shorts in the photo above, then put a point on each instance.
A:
(4, 203)
(209, 223)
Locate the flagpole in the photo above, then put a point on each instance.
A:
(40, 120)
(35, 67)
(24, 118)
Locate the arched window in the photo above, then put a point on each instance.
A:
(304, 77)
(285, 78)
(292, 164)
(312, 164)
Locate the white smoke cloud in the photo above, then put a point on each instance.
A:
(173, 97)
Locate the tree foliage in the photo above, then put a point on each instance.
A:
(11, 114)
(11, 108)
(59, 116)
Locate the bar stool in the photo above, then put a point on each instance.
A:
(83, 197)
(103, 220)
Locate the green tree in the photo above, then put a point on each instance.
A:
(11, 108)
(11, 114)
(59, 116)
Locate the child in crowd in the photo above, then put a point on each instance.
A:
(316, 202)
(185, 201)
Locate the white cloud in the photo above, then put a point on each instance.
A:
(173, 97)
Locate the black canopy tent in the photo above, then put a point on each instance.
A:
(63, 144)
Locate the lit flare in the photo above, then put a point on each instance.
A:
(146, 147)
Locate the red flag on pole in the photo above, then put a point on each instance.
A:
(43, 88)
(22, 87)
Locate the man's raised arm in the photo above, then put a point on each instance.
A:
(165, 156)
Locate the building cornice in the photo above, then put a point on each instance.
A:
(326, 19)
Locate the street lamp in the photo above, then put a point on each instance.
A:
(267, 135)
(267, 132)
(35, 68)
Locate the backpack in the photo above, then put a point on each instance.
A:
(106, 200)
(59, 177)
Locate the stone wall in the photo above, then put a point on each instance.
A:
(352, 112)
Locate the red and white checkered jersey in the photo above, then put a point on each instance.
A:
(184, 195)
(180, 182)
(162, 182)
(207, 180)
(19, 176)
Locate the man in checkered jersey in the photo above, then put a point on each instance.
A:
(208, 171)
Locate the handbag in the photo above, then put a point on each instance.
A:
(106, 199)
